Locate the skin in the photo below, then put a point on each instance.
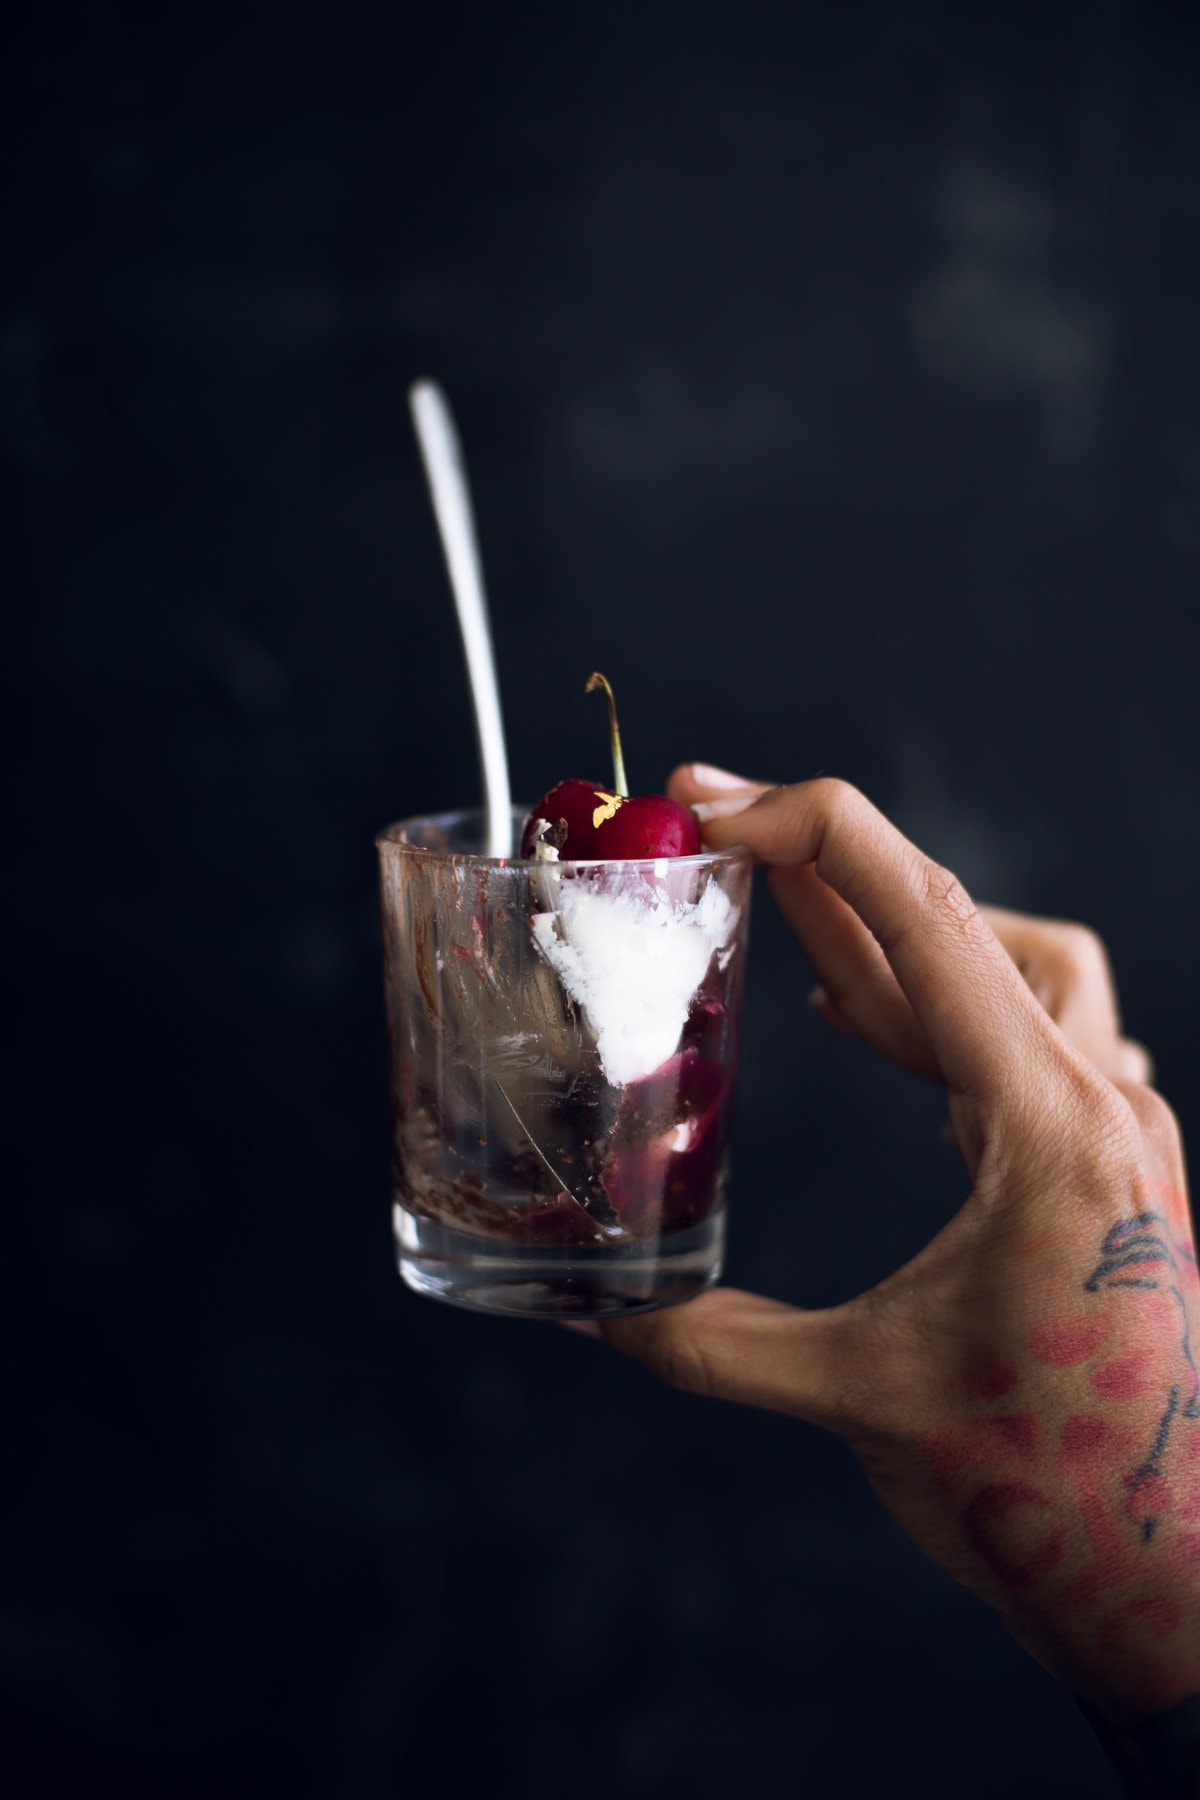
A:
(1023, 1395)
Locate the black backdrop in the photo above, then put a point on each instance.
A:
(829, 377)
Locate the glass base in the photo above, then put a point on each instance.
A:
(534, 1283)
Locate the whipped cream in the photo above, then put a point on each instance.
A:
(632, 959)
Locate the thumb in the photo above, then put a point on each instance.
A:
(729, 1345)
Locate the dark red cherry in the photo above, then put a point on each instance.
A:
(583, 821)
(647, 825)
(563, 820)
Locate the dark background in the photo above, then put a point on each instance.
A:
(829, 377)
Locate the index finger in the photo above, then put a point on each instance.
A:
(960, 982)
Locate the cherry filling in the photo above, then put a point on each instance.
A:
(709, 1025)
(560, 1221)
(667, 1146)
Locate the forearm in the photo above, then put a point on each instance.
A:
(1158, 1759)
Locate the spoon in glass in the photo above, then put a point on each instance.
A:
(449, 490)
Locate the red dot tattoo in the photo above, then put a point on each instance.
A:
(1067, 1341)
(989, 1375)
(1000, 1528)
(1151, 1618)
(1088, 1440)
(1127, 1377)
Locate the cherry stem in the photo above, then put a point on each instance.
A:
(619, 781)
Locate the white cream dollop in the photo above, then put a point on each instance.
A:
(632, 960)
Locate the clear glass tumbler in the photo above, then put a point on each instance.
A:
(563, 1051)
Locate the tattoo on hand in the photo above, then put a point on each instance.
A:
(1142, 1243)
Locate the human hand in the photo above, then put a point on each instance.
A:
(1065, 966)
(1024, 1394)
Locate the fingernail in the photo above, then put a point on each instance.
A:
(724, 809)
(817, 996)
(704, 775)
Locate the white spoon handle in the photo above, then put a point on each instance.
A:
(451, 496)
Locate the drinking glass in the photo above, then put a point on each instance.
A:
(563, 1044)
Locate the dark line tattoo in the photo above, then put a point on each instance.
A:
(1125, 1246)
(1150, 1466)
(1192, 1409)
(1125, 1262)
(1128, 1243)
(1127, 1227)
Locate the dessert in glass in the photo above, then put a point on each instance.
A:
(563, 1031)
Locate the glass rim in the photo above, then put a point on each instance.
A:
(702, 859)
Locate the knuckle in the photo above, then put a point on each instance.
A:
(949, 900)
(1083, 952)
(1129, 1064)
(1097, 1122)
(1101, 1106)
(838, 798)
(1138, 1062)
(1100, 1134)
(1155, 1116)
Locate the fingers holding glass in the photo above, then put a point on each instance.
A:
(979, 1017)
(1064, 965)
